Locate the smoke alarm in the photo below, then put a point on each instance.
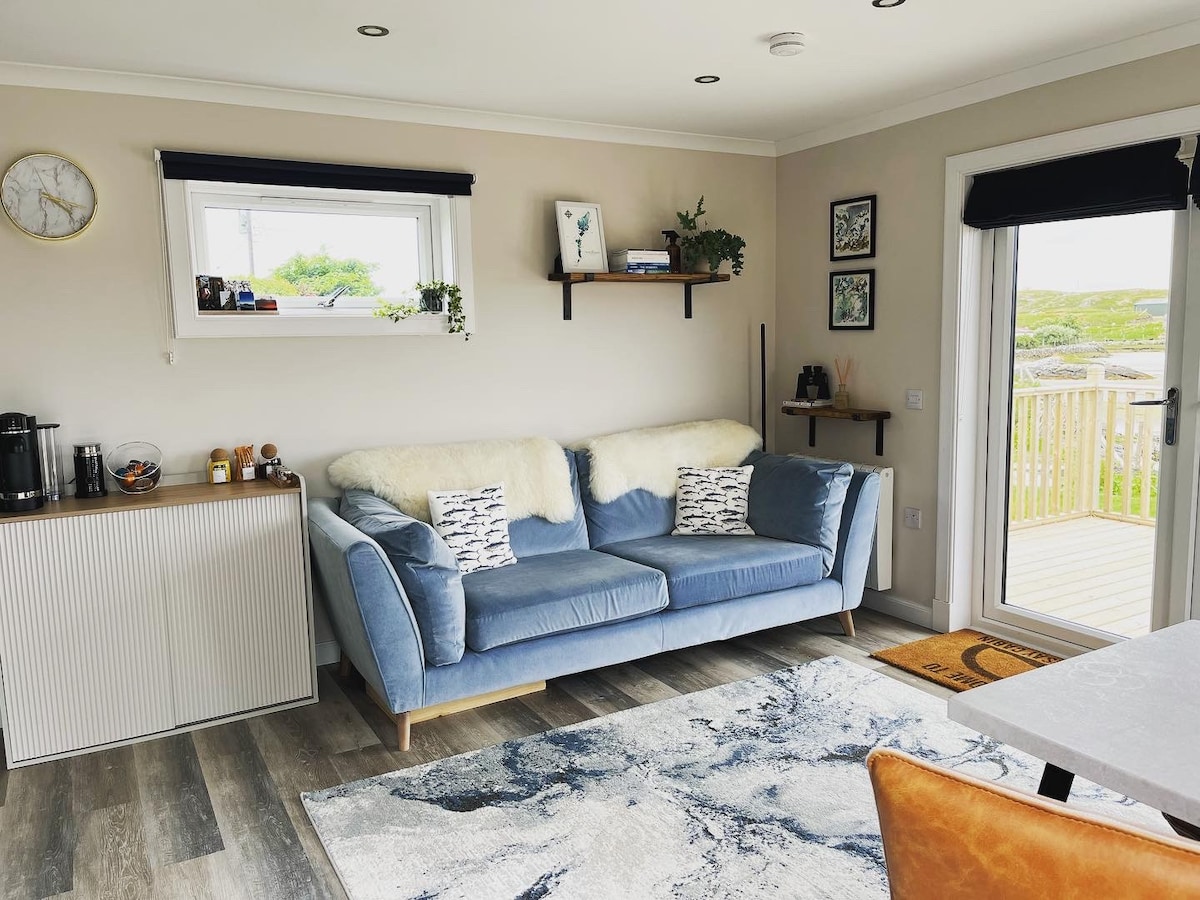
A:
(787, 43)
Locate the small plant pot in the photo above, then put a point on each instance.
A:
(433, 301)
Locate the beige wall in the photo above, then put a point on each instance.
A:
(84, 327)
(905, 166)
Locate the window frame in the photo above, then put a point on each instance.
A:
(444, 247)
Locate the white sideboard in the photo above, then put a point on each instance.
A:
(125, 618)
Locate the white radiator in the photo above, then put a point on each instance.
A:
(120, 624)
(879, 574)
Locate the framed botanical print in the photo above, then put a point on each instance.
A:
(852, 229)
(581, 236)
(852, 300)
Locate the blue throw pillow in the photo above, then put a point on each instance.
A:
(799, 500)
(426, 568)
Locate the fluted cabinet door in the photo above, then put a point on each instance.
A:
(82, 622)
(237, 606)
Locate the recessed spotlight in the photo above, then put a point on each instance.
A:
(787, 43)
(885, 4)
(372, 31)
(708, 79)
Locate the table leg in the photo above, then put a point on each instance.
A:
(1056, 782)
(812, 431)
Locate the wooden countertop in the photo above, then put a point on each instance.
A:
(165, 495)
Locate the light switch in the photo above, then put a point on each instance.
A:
(914, 400)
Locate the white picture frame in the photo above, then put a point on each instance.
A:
(582, 248)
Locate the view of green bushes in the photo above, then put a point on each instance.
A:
(1058, 318)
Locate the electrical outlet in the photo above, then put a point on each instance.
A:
(914, 399)
(912, 517)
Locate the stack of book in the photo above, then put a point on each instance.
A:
(640, 262)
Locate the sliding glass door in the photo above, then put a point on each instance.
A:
(1094, 371)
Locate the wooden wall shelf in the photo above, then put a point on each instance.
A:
(878, 416)
(567, 279)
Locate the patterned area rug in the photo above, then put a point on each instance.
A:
(964, 659)
(755, 789)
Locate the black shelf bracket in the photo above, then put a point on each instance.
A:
(588, 276)
(812, 433)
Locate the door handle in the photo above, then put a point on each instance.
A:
(1170, 404)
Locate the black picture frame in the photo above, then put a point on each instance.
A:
(838, 320)
(856, 250)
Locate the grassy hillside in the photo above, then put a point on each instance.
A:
(1103, 316)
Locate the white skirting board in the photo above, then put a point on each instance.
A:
(328, 653)
(899, 608)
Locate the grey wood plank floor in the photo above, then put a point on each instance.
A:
(216, 813)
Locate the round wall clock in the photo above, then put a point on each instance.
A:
(48, 197)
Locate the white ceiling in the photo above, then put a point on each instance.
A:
(628, 63)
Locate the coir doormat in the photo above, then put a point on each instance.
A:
(964, 659)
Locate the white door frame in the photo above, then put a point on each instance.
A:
(964, 382)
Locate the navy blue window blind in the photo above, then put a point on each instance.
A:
(293, 173)
(1141, 178)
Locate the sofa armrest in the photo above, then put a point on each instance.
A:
(368, 608)
(856, 537)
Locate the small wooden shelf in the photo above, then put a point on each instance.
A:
(567, 279)
(878, 416)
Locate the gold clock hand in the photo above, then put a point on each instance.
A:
(60, 201)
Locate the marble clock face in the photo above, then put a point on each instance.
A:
(48, 197)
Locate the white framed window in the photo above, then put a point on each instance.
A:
(318, 260)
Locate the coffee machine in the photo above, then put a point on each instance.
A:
(20, 468)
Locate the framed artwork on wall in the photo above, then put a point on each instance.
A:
(581, 236)
(852, 228)
(852, 300)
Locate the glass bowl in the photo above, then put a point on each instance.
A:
(135, 467)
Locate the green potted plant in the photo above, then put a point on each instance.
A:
(431, 293)
(713, 245)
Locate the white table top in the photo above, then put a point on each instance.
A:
(1126, 717)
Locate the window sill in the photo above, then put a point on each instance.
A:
(260, 324)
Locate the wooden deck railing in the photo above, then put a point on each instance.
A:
(1082, 450)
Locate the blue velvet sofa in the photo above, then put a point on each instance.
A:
(610, 586)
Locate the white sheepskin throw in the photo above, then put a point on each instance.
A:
(650, 458)
(534, 471)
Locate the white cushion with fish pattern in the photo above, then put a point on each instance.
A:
(474, 525)
(713, 501)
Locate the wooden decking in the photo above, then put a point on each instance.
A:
(1093, 571)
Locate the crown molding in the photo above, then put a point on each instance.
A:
(1132, 49)
(173, 88)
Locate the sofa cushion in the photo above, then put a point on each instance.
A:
(474, 525)
(426, 568)
(703, 568)
(795, 499)
(635, 514)
(534, 535)
(713, 501)
(556, 593)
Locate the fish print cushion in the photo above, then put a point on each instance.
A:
(713, 501)
(474, 524)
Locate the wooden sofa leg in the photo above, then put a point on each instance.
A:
(846, 617)
(403, 730)
(344, 667)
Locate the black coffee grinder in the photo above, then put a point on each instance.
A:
(20, 469)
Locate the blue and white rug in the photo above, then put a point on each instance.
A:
(755, 789)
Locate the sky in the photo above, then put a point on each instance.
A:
(1110, 253)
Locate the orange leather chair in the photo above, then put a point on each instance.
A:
(947, 836)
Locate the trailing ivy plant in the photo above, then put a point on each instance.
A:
(454, 311)
(394, 311)
(713, 245)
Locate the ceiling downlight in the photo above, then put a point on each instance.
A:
(707, 79)
(373, 31)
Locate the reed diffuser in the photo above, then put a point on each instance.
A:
(841, 397)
